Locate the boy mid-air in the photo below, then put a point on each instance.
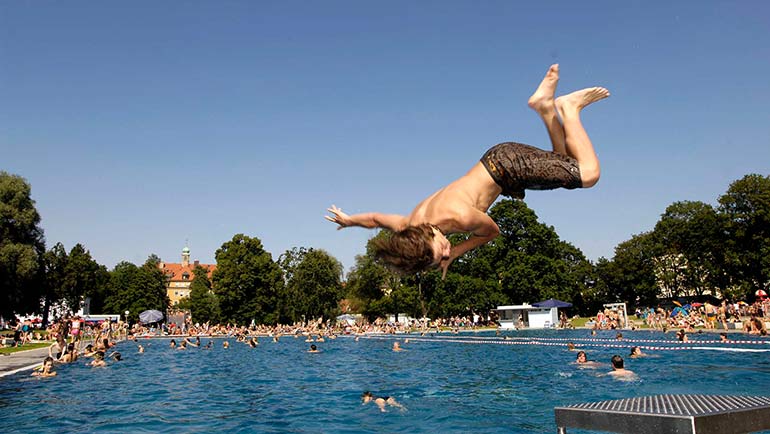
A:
(419, 239)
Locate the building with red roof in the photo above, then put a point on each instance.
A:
(180, 276)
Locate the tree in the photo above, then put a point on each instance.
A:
(630, 276)
(691, 241)
(22, 247)
(746, 208)
(313, 286)
(55, 263)
(247, 282)
(82, 276)
(136, 289)
(365, 282)
(203, 303)
(530, 262)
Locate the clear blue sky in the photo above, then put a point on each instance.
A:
(142, 124)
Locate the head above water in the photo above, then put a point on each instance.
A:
(617, 362)
(414, 249)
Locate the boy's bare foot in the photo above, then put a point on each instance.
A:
(577, 100)
(542, 99)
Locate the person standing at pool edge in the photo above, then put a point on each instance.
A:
(419, 240)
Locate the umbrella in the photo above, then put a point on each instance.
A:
(552, 303)
(150, 316)
(760, 293)
(677, 303)
(697, 304)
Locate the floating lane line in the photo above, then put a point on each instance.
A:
(481, 341)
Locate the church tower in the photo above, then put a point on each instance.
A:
(186, 257)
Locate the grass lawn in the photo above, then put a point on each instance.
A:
(580, 322)
(31, 346)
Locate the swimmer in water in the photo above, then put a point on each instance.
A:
(618, 371)
(313, 349)
(98, 360)
(419, 240)
(636, 352)
(141, 349)
(46, 370)
(380, 401)
(582, 360)
(397, 347)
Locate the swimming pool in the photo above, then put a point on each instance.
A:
(462, 383)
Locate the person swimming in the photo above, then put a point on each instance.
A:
(313, 349)
(380, 401)
(98, 360)
(619, 371)
(46, 370)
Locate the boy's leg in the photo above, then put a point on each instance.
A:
(543, 103)
(578, 144)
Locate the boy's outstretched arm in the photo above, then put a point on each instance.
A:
(483, 230)
(370, 220)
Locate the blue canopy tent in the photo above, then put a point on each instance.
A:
(551, 303)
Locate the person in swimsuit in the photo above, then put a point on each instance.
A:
(618, 371)
(380, 401)
(418, 241)
(98, 361)
(47, 369)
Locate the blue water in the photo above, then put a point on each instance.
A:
(445, 385)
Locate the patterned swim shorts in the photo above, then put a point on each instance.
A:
(517, 167)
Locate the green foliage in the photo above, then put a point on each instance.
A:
(630, 276)
(247, 282)
(691, 258)
(365, 283)
(313, 286)
(529, 260)
(71, 277)
(82, 277)
(202, 303)
(136, 289)
(746, 209)
(22, 247)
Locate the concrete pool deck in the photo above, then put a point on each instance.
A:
(25, 360)
(21, 361)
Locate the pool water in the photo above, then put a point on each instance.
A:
(446, 383)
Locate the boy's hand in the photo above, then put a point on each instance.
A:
(342, 219)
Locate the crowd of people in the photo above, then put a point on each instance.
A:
(747, 317)
(70, 334)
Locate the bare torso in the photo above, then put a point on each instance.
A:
(456, 207)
